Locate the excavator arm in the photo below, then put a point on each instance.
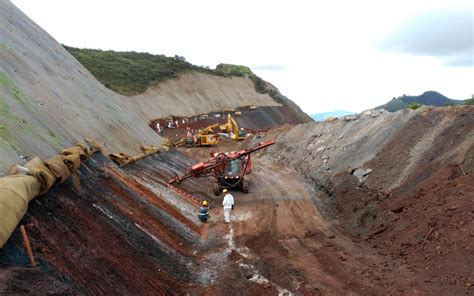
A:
(231, 126)
(208, 130)
(234, 128)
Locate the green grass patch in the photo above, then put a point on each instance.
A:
(5, 136)
(7, 83)
(4, 109)
(233, 70)
(13, 118)
(5, 132)
(469, 102)
(53, 139)
(414, 106)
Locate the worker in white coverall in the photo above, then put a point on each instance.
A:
(228, 204)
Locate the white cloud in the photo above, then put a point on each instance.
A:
(448, 34)
(327, 51)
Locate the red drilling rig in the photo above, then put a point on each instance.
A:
(228, 168)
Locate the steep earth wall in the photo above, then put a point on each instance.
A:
(49, 101)
(121, 231)
(197, 93)
(321, 150)
(400, 184)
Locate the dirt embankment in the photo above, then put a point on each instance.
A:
(197, 93)
(400, 184)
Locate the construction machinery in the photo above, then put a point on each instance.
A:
(208, 130)
(231, 127)
(229, 169)
(204, 137)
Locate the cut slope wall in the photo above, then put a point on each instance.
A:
(383, 152)
(196, 93)
(49, 101)
(123, 231)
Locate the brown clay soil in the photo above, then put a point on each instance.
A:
(363, 238)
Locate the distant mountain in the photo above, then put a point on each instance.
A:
(430, 98)
(324, 115)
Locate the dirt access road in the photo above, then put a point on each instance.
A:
(279, 242)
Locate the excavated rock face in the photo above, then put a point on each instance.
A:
(120, 230)
(377, 150)
(401, 183)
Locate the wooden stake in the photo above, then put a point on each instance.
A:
(462, 169)
(26, 243)
(426, 237)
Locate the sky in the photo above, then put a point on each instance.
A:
(324, 55)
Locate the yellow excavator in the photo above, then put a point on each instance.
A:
(232, 127)
(206, 136)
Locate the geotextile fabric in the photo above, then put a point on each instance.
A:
(148, 150)
(58, 168)
(121, 158)
(34, 178)
(72, 161)
(42, 173)
(74, 156)
(139, 156)
(79, 150)
(15, 193)
(95, 146)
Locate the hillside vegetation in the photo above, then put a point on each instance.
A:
(430, 98)
(132, 73)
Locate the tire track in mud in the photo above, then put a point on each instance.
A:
(290, 242)
(284, 242)
(266, 201)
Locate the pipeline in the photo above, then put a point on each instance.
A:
(122, 159)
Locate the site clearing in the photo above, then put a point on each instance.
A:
(96, 200)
